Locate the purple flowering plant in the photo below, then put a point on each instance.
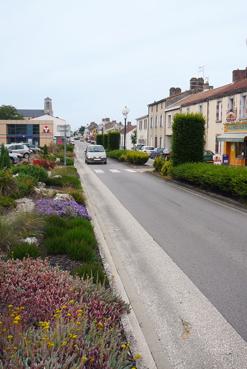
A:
(49, 206)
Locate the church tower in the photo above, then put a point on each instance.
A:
(48, 106)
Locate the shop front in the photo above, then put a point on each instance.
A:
(235, 142)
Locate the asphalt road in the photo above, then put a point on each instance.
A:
(205, 238)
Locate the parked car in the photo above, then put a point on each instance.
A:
(138, 147)
(158, 151)
(95, 154)
(32, 147)
(208, 156)
(19, 149)
(147, 149)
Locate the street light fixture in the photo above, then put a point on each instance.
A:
(125, 113)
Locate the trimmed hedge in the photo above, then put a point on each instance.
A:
(133, 157)
(113, 141)
(188, 138)
(99, 139)
(223, 179)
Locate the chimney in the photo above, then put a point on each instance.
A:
(196, 84)
(239, 74)
(174, 91)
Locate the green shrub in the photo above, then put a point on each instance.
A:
(70, 148)
(99, 139)
(8, 185)
(65, 181)
(78, 196)
(37, 172)
(25, 185)
(166, 168)
(158, 163)
(7, 202)
(72, 236)
(133, 157)
(137, 157)
(188, 138)
(65, 171)
(113, 141)
(5, 161)
(92, 270)
(24, 250)
(224, 179)
(116, 154)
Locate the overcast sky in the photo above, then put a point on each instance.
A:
(92, 57)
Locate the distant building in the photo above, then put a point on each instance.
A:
(35, 113)
(129, 132)
(142, 130)
(60, 127)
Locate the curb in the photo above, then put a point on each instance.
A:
(130, 322)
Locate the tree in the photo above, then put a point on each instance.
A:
(9, 112)
(134, 138)
(188, 138)
(81, 130)
(4, 158)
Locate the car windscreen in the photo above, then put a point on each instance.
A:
(95, 149)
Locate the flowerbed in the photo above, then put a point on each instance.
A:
(50, 319)
(133, 157)
(61, 208)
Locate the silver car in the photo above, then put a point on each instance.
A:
(95, 154)
(17, 148)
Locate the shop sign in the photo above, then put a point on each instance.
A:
(236, 127)
(231, 117)
(46, 129)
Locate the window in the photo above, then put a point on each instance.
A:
(169, 121)
(157, 107)
(200, 108)
(151, 108)
(155, 142)
(188, 110)
(140, 125)
(219, 111)
(161, 120)
(161, 105)
(243, 106)
(230, 104)
(156, 121)
(160, 141)
(36, 129)
(145, 123)
(239, 150)
(151, 122)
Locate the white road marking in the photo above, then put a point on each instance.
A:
(130, 170)
(98, 171)
(114, 170)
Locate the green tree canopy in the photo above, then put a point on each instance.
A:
(187, 138)
(9, 112)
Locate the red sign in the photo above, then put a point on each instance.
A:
(46, 129)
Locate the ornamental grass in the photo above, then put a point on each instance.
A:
(49, 319)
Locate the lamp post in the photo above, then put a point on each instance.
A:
(125, 113)
(65, 145)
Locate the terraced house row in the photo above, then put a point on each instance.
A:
(224, 109)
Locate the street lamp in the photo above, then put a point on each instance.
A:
(125, 113)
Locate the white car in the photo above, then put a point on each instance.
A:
(147, 149)
(18, 148)
(95, 154)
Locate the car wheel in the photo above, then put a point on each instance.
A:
(105, 162)
(26, 155)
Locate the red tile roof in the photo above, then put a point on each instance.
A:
(231, 88)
